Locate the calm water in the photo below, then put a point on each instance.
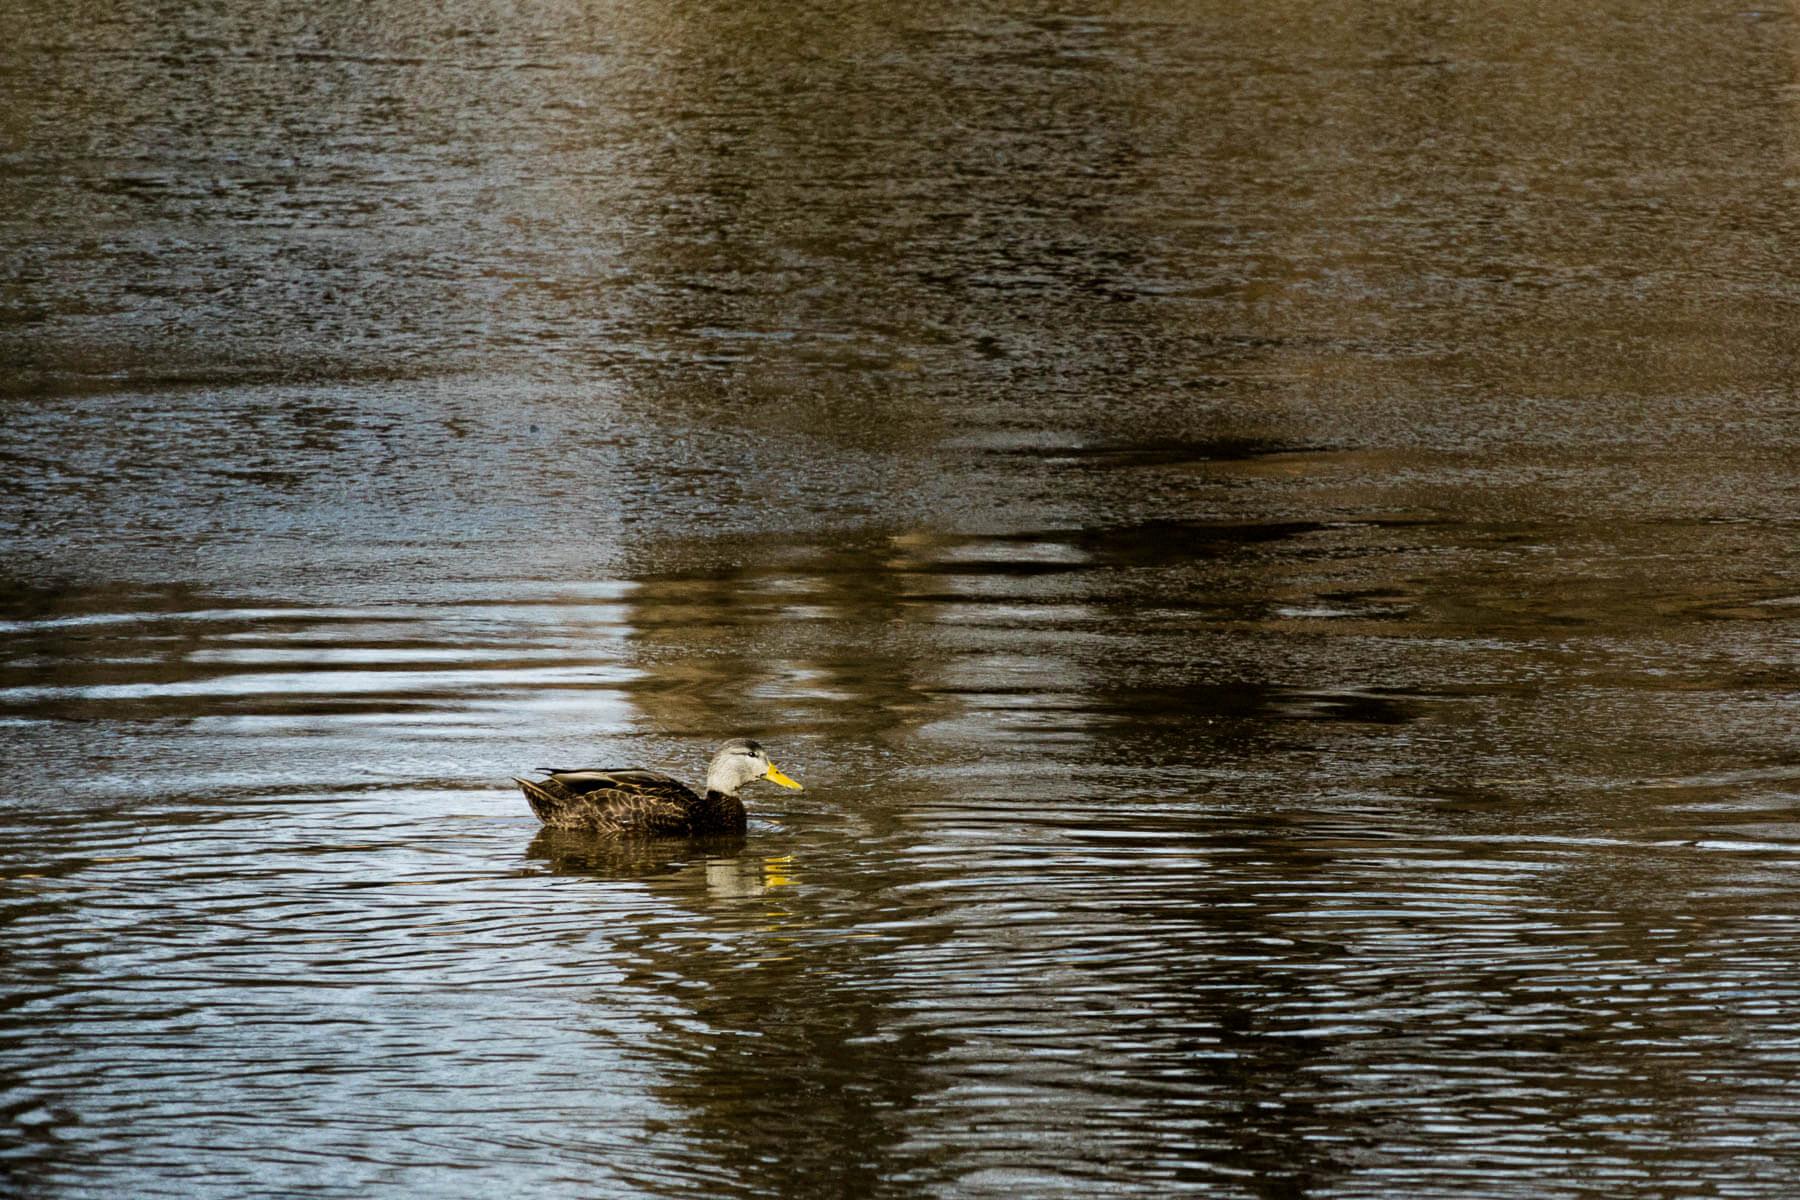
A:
(1268, 532)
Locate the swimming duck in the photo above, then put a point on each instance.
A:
(648, 803)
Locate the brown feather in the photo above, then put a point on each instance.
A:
(630, 802)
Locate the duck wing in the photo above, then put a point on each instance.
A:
(589, 779)
(630, 800)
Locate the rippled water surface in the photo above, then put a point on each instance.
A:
(1268, 532)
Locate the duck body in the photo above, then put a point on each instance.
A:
(631, 801)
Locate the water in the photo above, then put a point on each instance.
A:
(1268, 534)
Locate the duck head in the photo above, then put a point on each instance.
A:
(742, 761)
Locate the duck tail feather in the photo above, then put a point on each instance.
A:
(543, 801)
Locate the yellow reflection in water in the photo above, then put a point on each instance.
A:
(776, 871)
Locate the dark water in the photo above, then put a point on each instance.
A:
(1267, 530)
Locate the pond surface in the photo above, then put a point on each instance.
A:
(1267, 531)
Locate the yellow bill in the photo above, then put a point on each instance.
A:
(774, 776)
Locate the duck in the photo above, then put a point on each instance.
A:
(632, 801)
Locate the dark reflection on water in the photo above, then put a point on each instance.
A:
(1267, 533)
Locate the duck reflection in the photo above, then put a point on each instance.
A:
(578, 852)
(725, 869)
